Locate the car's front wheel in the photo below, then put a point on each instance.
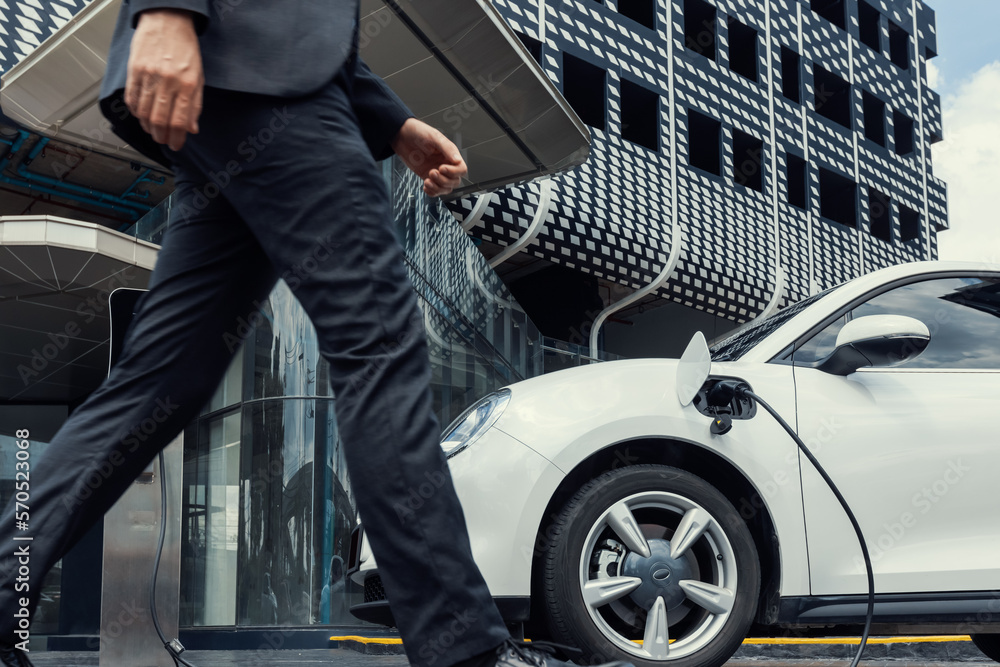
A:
(652, 565)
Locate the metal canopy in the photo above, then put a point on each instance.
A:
(460, 68)
(53, 91)
(457, 65)
(55, 276)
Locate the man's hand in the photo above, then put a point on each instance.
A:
(164, 84)
(431, 155)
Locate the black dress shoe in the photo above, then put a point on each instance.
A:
(13, 657)
(537, 654)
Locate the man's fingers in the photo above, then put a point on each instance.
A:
(161, 114)
(430, 189)
(443, 184)
(431, 155)
(454, 171)
(180, 123)
(438, 178)
(436, 184)
(131, 91)
(195, 112)
(147, 94)
(164, 80)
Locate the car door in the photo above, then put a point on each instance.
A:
(913, 448)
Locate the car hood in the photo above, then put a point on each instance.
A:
(548, 411)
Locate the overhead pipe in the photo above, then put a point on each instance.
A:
(15, 146)
(144, 177)
(99, 196)
(66, 195)
(541, 213)
(779, 292)
(482, 202)
(477, 279)
(661, 279)
(51, 186)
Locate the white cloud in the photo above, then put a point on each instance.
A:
(968, 160)
(935, 79)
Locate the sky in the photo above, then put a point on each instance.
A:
(966, 73)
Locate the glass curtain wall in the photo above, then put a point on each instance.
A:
(268, 509)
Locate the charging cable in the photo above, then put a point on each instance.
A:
(173, 646)
(742, 389)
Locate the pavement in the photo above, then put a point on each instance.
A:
(364, 652)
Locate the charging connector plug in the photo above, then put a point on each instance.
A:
(724, 392)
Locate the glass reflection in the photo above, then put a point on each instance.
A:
(281, 577)
(230, 390)
(211, 521)
(286, 359)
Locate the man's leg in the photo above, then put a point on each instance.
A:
(208, 275)
(307, 186)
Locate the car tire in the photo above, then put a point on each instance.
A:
(988, 644)
(602, 593)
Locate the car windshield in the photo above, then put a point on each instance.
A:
(747, 336)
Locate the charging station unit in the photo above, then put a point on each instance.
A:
(131, 532)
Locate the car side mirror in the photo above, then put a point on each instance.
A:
(879, 341)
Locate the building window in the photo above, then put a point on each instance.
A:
(699, 27)
(909, 224)
(585, 89)
(791, 79)
(869, 26)
(833, 96)
(874, 117)
(640, 115)
(742, 49)
(533, 45)
(880, 215)
(748, 155)
(902, 133)
(832, 10)
(795, 174)
(838, 198)
(704, 142)
(642, 12)
(899, 46)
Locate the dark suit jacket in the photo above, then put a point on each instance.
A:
(285, 48)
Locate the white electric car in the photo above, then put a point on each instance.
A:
(609, 509)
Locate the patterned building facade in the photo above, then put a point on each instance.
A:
(765, 133)
(762, 133)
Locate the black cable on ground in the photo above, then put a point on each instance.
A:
(847, 509)
(173, 646)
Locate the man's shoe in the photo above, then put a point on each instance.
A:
(13, 657)
(536, 654)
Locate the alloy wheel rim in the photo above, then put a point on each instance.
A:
(657, 567)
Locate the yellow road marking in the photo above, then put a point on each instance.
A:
(856, 640)
(367, 640)
(754, 640)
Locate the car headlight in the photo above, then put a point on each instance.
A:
(475, 421)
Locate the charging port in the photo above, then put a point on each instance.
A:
(719, 396)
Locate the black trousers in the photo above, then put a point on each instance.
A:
(273, 188)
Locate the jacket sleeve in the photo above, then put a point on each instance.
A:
(380, 112)
(199, 8)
